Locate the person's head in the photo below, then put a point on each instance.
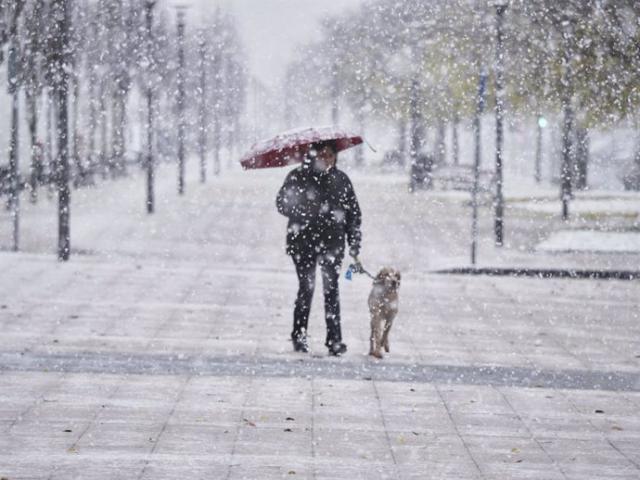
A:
(324, 155)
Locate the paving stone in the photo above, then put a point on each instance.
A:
(174, 360)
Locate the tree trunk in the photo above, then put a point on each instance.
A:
(49, 137)
(113, 148)
(61, 48)
(538, 160)
(14, 90)
(499, 111)
(421, 165)
(441, 146)
(229, 143)
(477, 160)
(35, 174)
(14, 162)
(335, 95)
(417, 130)
(150, 164)
(217, 105)
(235, 134)
(202, 137)
(79, 174)
(359, 153)
(455, 140)
(104, 153)
(93, 122)
(631, 178)
(216, 142)
(637, 154)
(180, 103)
(567, 155)
(62, 177)
(402, 140)
(119, 126)
(581, 163)
(567, 128)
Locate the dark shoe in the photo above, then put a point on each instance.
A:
(300, 344)
(337, 349)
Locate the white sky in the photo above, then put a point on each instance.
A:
(271, 29)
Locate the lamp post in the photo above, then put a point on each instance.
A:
(499, 72)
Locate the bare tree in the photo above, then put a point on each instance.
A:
(59, 57)
(14, 10)
(33, 80)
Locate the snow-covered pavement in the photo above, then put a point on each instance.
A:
(161, 350)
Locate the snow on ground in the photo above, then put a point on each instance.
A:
(591, 241)
(161, 350)
(587, 206)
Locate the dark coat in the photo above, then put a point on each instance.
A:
(323, 212)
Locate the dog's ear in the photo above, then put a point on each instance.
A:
(398, 276)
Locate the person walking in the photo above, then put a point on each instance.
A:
(323, 212)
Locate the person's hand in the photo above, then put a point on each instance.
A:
(357, 265)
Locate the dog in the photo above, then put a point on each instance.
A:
(383, 306)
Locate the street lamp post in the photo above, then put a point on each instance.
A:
(499, 72)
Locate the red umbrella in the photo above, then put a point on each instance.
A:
(290, 147)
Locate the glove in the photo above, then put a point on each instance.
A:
(356, 266)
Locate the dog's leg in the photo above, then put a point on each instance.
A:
(385, 336)
(372, 336)
(374, 349)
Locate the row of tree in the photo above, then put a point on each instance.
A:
(112, 56)
(576, 59)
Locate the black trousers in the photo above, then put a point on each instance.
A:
(306, 270)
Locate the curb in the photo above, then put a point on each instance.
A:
(544, 273)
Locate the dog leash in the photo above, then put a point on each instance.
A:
(356, 268)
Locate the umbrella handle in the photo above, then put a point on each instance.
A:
(369, 145)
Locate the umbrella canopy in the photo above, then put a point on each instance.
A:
(290, 147)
